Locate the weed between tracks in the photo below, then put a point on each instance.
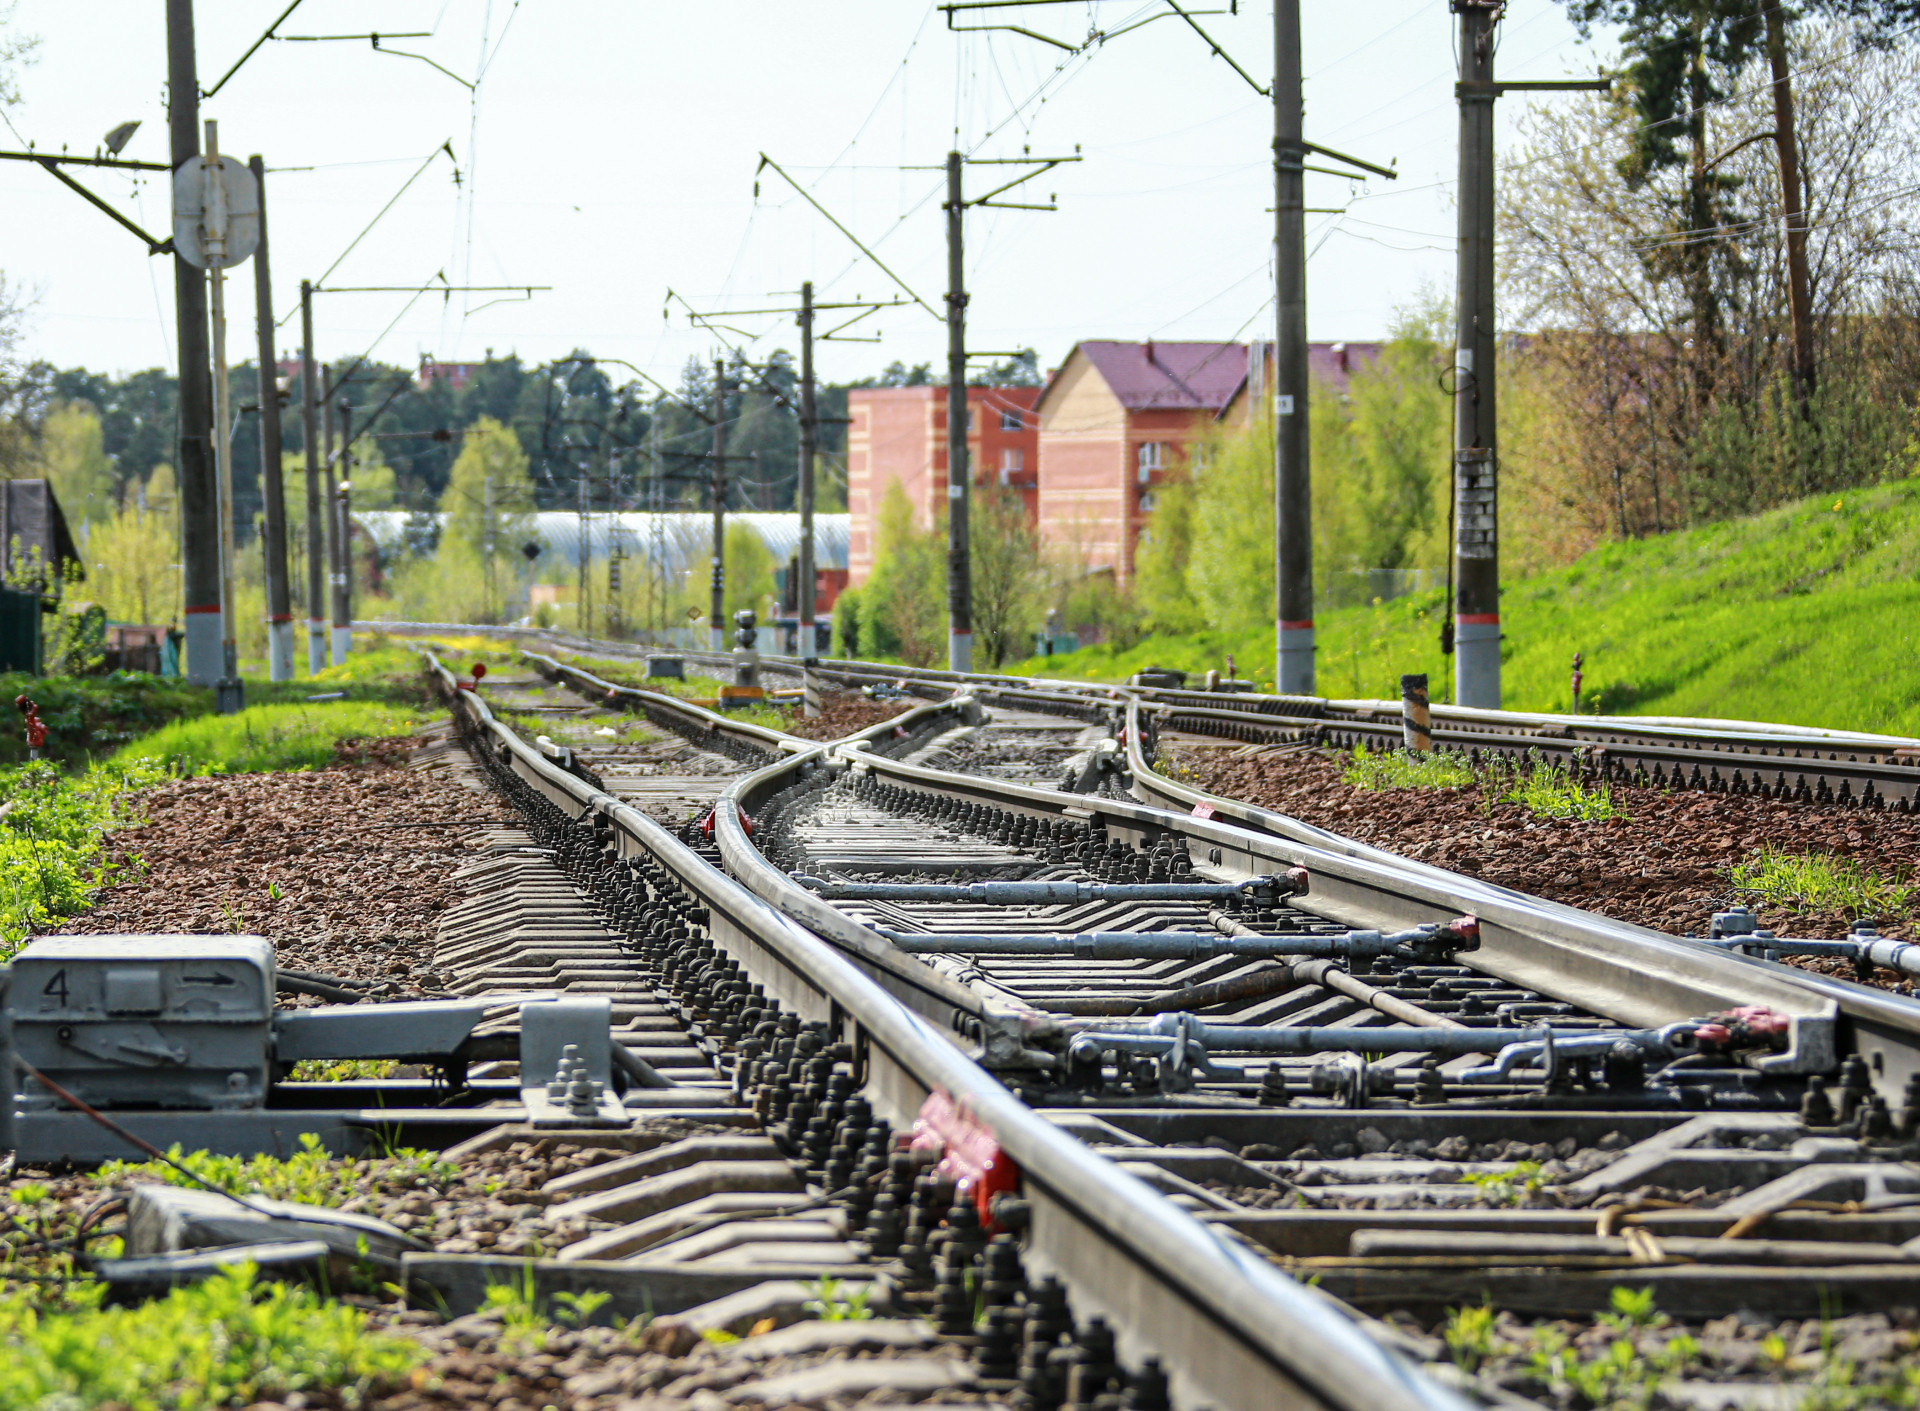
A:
(310, 1176)
(1626, 1358)
(1536, 786)
(1406, 769)
(1823, 882)
(1546, 792)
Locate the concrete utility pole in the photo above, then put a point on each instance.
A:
(343, 573)
(959, 556)
(717, 608)
(1476, 543)
(1476, 451)
(809, 438)
(310, 397)
(199, 494)
(274, 537)
(1292, 470)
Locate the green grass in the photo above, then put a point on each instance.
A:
(230, 1341)
(1806, 615)
(1547, 792)
(52, 824)
(1536, 786)
(1823, 882)
(342, 1070)
(264, 737)
(51, 828)
(83, 714)
(310, 1176)
(88, 717)
(1403, 769)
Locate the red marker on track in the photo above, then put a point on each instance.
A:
(36, 728)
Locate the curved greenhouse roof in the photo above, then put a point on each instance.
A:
(673, 541)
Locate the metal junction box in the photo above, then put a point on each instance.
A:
(142, 1021)
(178, 1039)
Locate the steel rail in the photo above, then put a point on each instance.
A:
(1231, 1330)
(1837, 766)
(1635, 976)
(1619, 757)
(715, 724)
(1883, 1028)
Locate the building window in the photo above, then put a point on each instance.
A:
(1147, 501)
(1012, 464)
(1010, 421)
(1153, 456)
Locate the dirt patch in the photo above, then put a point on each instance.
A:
(1665, 864)
(842, 713)
(344, 869)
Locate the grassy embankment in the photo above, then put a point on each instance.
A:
(91, 717)
(53, 821)
(1806, 615)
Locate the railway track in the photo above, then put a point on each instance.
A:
(1418, 1090)
(872, 1033)
(1826, 767)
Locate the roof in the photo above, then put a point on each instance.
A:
(674, 540)
(976, 392)
(1156, 376)
(1335, 363)
(32, 523)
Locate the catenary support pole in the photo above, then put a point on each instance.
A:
(1793, 213)
(959, 558)
(274, 534)
(487, 545)
(585, 614)
(346, 552)
(310, 398)
(1292, 471)
(227, 688)
(330, 512)
(1476, 568)
(809, 446)
(199, 494)
(717, 607)
(342, 639)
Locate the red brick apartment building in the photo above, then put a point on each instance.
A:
(900, 433)
(1117, 418)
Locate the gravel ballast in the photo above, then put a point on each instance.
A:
(344, 869)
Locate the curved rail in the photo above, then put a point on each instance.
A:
(1883, 1028)
(696, 720)
(1231, 1330)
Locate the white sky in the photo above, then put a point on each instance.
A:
(610, 146)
